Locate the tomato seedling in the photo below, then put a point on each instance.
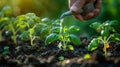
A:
(63, 34)
(107, 31)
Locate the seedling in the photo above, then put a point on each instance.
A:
(14, 30)
(87, 56)
(64, 35)
(27, 24)
(107, 32)
(44, 27)
(5, 50)
(3, 25)
(6, 11)
(61, 58)
(17, 49)
(5, 14)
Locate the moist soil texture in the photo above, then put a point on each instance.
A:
(41, 55)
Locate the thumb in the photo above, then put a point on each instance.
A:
(78, 4)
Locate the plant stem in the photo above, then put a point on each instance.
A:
(105, 48)
(109, 38)
(31, 39)
(64, 43)
(61, 33)
(14, 39)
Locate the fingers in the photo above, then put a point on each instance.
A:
(71, 2)
(78, 4)
(92, 14)
(96, 12)
(89, 16)
(79, 17)
(98, 4)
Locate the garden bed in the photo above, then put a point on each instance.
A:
(52, 56)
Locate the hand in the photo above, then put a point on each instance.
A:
(76, 5)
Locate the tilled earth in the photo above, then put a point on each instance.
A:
(48, 55)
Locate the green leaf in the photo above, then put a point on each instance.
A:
(22, 24)
(37, 19)
(56, 23)
(105, 32)
(73, 29)
(56, 29)
(24, 35)
(61, 58)
(117, 36)
(32, 31)
(7, 11)
(31, 15)
(115, 24)
(31, 23)
(8, 33)
(70, 47)
(45, 31)
(21, 17)
(38, 29)
(4, 21)
(87, 56)
(95, 25)
(51, 38)
(45, 20)
(6, 48)
(93, 44)
(75, 40)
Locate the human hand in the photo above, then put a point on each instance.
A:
(76, 5)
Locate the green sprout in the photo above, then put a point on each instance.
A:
(4, 21)
(63, 34)
(107, 32)
(5, 51)
(61, 58)
(5, 18)
(27, 24)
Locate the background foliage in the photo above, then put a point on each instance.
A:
(54, 8)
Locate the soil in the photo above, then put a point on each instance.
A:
(48, 55)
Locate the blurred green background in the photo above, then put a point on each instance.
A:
(54, 8)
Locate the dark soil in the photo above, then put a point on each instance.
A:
(48, 55)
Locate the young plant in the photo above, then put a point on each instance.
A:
(43, 28)
(12, 27)
(29, 34)
(107, 32)
(6, 11)
(4, 21)
(6, 51)
(64, 34)
(5, 18)
(27, 24)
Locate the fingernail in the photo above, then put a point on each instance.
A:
(74, 9)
